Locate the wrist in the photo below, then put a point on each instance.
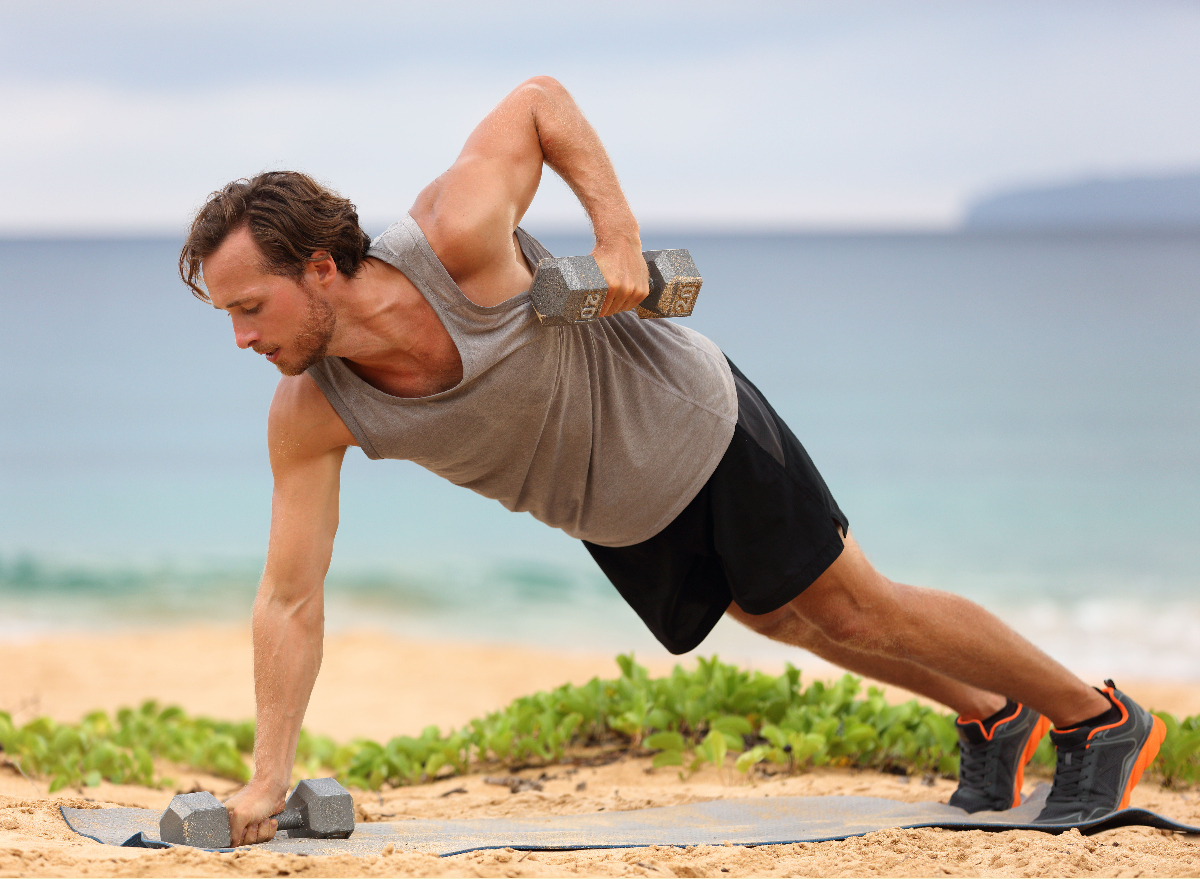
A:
(613, 221)
(270, 786)
(618, 237)
(271, 776)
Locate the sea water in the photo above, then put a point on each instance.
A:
(1015, 418)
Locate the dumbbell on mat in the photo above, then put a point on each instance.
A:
(571, 289)
(319, 808)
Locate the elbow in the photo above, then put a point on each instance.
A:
(547, 84)
(303, 607)
(545, 89)
(309, 611)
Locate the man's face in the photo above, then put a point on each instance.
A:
(289, 323)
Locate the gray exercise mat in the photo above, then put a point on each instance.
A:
(744, 821)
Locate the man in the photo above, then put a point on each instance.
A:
(636, 436)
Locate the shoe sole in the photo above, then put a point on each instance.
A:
(1031, 745)
(1158, 732)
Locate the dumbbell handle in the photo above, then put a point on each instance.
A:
(289, 819)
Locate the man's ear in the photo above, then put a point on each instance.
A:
(322, 267)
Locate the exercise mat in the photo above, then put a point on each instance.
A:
(742, 821)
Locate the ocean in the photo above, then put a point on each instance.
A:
(1013, 417)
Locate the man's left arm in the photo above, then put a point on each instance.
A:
(470, 212)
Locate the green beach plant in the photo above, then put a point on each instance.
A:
(123, 749)
(687, 719)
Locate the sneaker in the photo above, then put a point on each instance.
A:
(992, 762)
(1098, 767)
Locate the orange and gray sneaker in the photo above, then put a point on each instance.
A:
(1099, 766)
(992, 757)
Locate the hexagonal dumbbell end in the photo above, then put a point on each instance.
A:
(674, 284)
(324, 810)
(196, 819)
(568, 290)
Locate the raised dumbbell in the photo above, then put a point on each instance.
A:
(319, 808)
(571, 289)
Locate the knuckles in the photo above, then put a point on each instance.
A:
(245, 828)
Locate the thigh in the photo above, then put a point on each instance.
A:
(776, 525)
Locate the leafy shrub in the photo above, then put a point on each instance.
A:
(1179, 758)
(686, 719)
(123, 750)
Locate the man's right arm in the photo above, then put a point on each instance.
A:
(307, 443)
(469, 214)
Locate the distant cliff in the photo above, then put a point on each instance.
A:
(1129, 203)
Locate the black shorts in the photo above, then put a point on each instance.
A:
(760, 531)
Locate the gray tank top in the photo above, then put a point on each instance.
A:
(606, 430)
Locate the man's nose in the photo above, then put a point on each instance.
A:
(244, 336)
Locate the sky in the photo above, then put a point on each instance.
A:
(120, 117)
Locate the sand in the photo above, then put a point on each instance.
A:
(375, 685)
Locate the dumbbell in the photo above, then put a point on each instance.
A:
(571, 289)
(319, 808)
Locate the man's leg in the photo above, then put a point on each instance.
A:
(785, 626)
(937, 644)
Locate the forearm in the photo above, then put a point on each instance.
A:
(572, 148)
(288, 638)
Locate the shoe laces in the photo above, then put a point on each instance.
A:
(1072, 770)
(975, 765)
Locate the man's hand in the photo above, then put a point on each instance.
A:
(626, 272)
(250, 811)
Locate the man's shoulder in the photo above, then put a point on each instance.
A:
(474, 239)
(297, 395)
(302, 418)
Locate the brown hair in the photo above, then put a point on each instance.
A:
(290, 216)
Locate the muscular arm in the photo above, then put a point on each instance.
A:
(469, 214)
(307, 442)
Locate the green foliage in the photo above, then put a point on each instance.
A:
(687, 719)
(1179, 757)
(1043, 757)
(123, 749)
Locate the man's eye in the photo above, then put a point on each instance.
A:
(253, 310)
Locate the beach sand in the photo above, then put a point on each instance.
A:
(377, 686)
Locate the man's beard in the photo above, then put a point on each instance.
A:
(312, 341)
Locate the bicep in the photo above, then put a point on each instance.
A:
(306, 450)
(304, 520)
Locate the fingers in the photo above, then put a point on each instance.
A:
(623, 298)
(250, 812)
(627, 275)
(251, 832)
(261, 831)
(626, 293)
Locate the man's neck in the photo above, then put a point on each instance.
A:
(390, 335)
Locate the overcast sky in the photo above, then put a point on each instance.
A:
(121, 117)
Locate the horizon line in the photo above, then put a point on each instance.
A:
(782, 230)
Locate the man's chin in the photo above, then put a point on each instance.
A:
(298, 367)
(290, 369)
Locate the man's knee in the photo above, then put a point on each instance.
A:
(852, 604)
